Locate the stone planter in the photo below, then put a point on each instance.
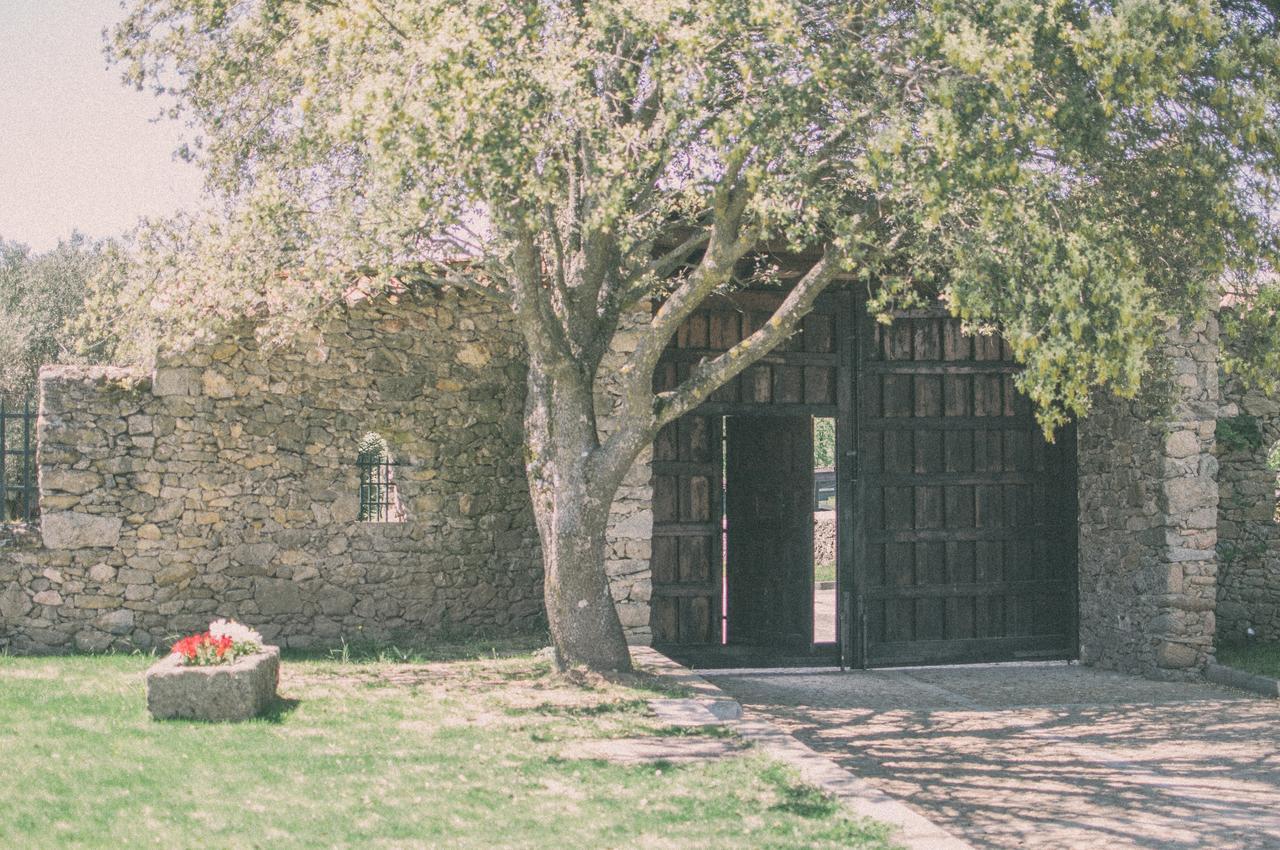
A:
(236, 691)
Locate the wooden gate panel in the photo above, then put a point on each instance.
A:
(965, 517)
(685, 558)
(801, 373)
(769, 489)
(800, 377)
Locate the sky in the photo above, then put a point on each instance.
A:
(78, 149)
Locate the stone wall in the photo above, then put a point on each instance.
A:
(1148, 502)
(629, 539)
(1248, 534)
(225, 484)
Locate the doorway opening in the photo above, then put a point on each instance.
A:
(825, 529)
(778, 532)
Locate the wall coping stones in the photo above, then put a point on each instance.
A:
(126, 377)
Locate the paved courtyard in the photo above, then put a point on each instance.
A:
(1044, 755)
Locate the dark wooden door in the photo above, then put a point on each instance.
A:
(769, 513)
(687, 507)
(964, 516)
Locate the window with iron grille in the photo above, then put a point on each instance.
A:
(18, 501)
(379, 500)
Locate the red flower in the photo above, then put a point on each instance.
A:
(198, 647)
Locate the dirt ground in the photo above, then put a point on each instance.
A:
(1044, 755)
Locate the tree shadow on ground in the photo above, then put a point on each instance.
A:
(1165, 773)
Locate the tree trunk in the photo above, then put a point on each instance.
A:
(571, 507)
(580, 610)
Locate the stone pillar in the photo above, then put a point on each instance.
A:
(630, 532)
(1148, 516)
(1248, 526)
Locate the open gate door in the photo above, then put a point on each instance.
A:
(769, 510)
(685, 561)
(964, 544)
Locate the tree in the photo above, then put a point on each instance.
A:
(39, 295)
(824, 443)
(1073, 174)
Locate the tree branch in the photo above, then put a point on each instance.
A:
(708, 375)
(545, 335)
(662, 266)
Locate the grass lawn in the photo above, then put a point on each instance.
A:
(1260, 658)
(824, 572)
(452, 748)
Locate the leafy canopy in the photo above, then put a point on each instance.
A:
(40, 295)
(1078, 174)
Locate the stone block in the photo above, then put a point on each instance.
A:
(345, 509)
(335, 600)
(254, 554)
(51, 598)
(76, 530)
(216, 385)
(69, 480)
(102, 573)
(116, 622)
(1175, 656)
(276, 596)
(14, 602)
(1182, 444)
(90, 640)
(175, 574)
(1185, 495)
(176, 382)
(237, 691)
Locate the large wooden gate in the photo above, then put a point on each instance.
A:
(799, 378)
(964, 520)
(957, 520)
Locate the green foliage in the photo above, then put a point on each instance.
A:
(39, 295)
(1262, 658)
(372, 446)
(1239, 433)
(824, 443)
(1242, 553)
(1079, 175)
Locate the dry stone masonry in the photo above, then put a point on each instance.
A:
(1148, 502)
(225, 485)
(1248, 532)
(628, 542)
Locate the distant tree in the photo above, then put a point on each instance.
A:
(824, 443)
(40, 294)
(1076, 174)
